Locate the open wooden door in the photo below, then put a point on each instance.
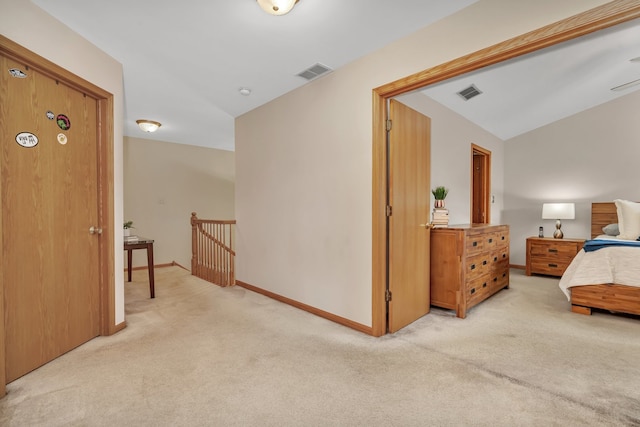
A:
(409, 148)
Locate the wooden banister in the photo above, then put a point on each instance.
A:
(212, 253)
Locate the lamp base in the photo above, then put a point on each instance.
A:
(558, 233)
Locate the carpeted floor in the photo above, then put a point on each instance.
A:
(200, 355)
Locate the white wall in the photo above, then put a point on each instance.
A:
(164, 183)
(589, 157)
(29, 26)
(451, 139)
(304, 161)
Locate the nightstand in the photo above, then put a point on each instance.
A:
(546, 255)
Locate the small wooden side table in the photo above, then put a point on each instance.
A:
(546, 255)
(141, 243)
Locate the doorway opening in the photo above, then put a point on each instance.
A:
(480, 185)
(607, 15)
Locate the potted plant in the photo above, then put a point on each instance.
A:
(127, 226)
(439, 193)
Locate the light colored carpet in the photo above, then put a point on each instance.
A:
(200, 355)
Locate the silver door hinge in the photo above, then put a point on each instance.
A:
(388, 125)
(387, 295)
(388, 210)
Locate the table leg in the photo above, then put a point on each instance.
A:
(152, 289)
(129, 260)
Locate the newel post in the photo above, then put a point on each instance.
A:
(194, 240)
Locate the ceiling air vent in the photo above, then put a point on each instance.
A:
(314, 71)
(469, 92)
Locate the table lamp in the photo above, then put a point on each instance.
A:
(558, 211)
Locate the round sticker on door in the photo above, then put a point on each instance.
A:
(15, 72)
(26, 139)
(50, 115)
(62, 138)
(63, 122)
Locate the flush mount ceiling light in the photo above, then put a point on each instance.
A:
(244, 91)
(277, 7)
(148, 125)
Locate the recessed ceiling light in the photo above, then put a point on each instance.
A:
(245, 91)
(635, 59)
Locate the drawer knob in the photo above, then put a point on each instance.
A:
(484, 285)
(475, 244)
(473, 291)
(490, 240)
(484, 262)
(553, 265)
(473, 266)
(553, 250)
(495, 258)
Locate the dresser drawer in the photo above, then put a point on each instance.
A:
(549, 266)
(477, 289)
(499, 280)
(553, 250)
(474, 243)
(499, 255)
(502, 237)
(478, 265)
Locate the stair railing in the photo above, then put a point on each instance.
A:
(213, 256)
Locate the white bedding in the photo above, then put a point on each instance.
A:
(620, 265)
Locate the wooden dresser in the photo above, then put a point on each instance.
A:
(469, 263)
(546, 255)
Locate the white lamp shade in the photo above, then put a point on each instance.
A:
(558, 211)
(277, 7)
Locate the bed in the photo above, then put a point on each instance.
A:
(613, 282)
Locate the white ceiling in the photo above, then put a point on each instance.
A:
(185, 61)
(531, 91)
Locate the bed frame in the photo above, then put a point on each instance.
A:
(615, 297)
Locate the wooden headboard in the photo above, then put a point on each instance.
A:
(602, 213)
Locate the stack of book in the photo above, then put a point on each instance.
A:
(131, 238)
(440, 217)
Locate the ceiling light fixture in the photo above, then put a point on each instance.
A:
(148, 125)
(244, 91)
(277, 7)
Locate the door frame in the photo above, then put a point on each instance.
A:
(105, 179)
(476, 150)
(598, 18)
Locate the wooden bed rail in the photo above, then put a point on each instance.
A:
(212, 254)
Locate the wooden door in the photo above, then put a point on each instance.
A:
(477, 190)
(409, 197)
(480, 185)
(49, 196)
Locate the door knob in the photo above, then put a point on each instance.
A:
(427, 225)
(95, 230)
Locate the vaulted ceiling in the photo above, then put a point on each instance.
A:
(185, 62)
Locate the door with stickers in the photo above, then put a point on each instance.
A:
(50, 261)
